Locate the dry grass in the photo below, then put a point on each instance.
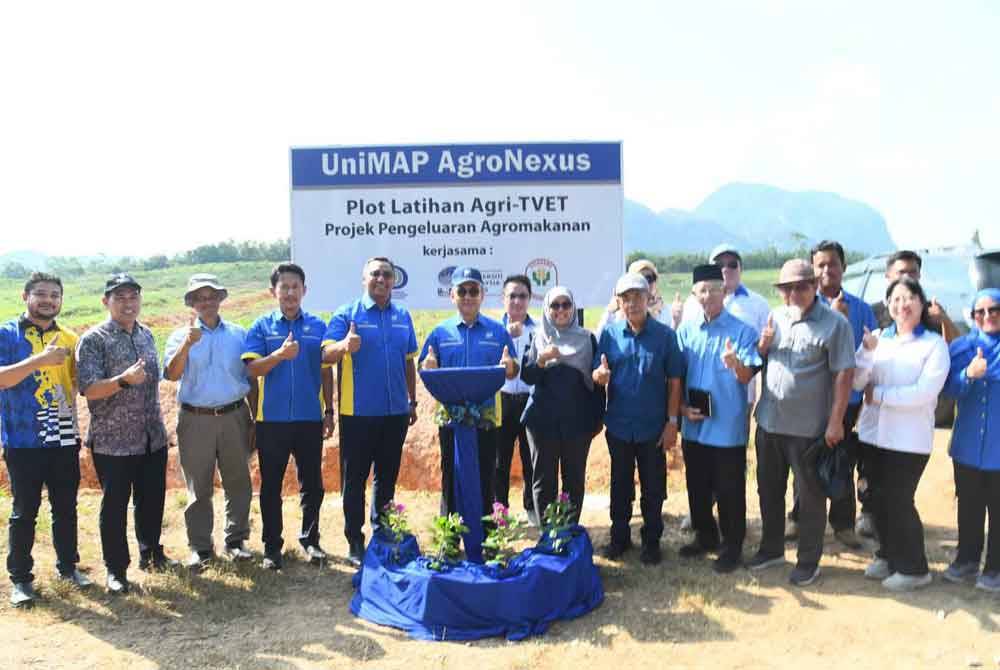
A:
(678, 614)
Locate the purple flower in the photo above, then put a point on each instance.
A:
(400, 508)
(564, 497)
(498, 508)
(501, 522)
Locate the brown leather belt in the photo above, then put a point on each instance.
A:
(213, 411)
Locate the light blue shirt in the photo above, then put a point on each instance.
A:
(702, 345)
(214, 374)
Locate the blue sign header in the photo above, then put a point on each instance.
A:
(456, 164)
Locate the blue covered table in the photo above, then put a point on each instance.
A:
(469, 600)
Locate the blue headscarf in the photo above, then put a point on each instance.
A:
(964, 349)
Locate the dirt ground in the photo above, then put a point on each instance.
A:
(679, 614)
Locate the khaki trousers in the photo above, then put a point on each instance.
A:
(203, 442)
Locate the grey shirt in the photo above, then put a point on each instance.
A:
(799, 370)
(129, 422)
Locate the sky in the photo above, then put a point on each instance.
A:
(141, 128)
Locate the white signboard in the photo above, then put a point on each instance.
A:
(552, 212)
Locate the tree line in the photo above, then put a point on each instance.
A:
(761, 259)
(222, 252)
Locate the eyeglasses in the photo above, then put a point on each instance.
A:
(562, 304)
(517, 296)
(384, 274)
(732, 265)
(799, 287)
(472, 291)
(994, 310)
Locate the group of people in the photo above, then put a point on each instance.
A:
(649, 372)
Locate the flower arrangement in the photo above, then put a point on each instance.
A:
(469, 414)
(557, 520)
(446, 533)
(498, 547)
(394, 520)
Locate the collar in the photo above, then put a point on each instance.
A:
(459, 322)
(741, 290)
(890, 332)
(116, 327)
(368, 302)
(23, 322)
(201, 324)
(528, 321)
(705, 323)
(281, 317)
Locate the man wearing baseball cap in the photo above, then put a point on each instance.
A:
(469, 339)
(808, 352)
(213, 426)
(119, 375)
(638, 360)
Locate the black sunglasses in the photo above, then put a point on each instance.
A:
(981, 312)
(472, 291)
(384, 274)
(650, 277)
(562, 304)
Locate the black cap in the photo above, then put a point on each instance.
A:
(707, 273)
(119, 280)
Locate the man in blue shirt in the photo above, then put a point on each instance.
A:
(39, 433)
(283, 350)
(213, 427)
(720, 357)
(637, 358)
(829, 263)
(469, 339)
(373, 343)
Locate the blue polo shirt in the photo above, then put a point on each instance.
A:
(292, 390)
(859, 315)
(640, 366)
(702, 344)
(214, 374)
(457, 345)
(372, 381)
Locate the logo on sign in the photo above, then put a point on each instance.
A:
(543, 274)
(401, 279)
(444, 279)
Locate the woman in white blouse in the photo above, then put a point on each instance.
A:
(902, 369)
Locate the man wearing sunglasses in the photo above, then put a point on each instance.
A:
(469, 339)
(373, 343)
(808, 352)
(514, 396)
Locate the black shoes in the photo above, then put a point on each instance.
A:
(117, 584)
(157, 561)
(199, 560)
(272, 562)
(315, 555)
(76, 578)
(238, 552)
(356, 552)
(695, 549)
(614, 550)
(727, 563)
(650, 554)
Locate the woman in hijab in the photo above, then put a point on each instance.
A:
(561, 416)
(974, 382)
(647, 269)
(901, 369)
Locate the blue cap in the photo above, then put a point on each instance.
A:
(464, 273)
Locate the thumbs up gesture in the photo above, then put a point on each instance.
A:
(766, 335)
(135, 373)
(431, 361)
(508, 363)
(840, 304)
(677, 308)
(515, 328)
(729, 357)
(193, 333)
(53, 354)
(935, 311)
(549, 353)
(289, 349)
(353, 340)
(977, 367)
(868, 340)
(602, 375)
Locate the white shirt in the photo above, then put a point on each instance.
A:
(748, 306)
(908, 372)
(521, 344)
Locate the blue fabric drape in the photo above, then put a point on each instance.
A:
(456, 386)
(469, 601)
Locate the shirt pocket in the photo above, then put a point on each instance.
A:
(807, 353)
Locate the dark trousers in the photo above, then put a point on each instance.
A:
(843, 511)
(143, 478)
(776, 455)
(368, 442)
(28, 470)
(717, 473)
(652, 463)
(487, 460)
(549, 457)
(276, 441)
(511, 429)
(979, 492)
(894, 476)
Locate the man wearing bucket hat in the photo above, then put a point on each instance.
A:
(213, 426)
(808, 352)
(638, 360)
